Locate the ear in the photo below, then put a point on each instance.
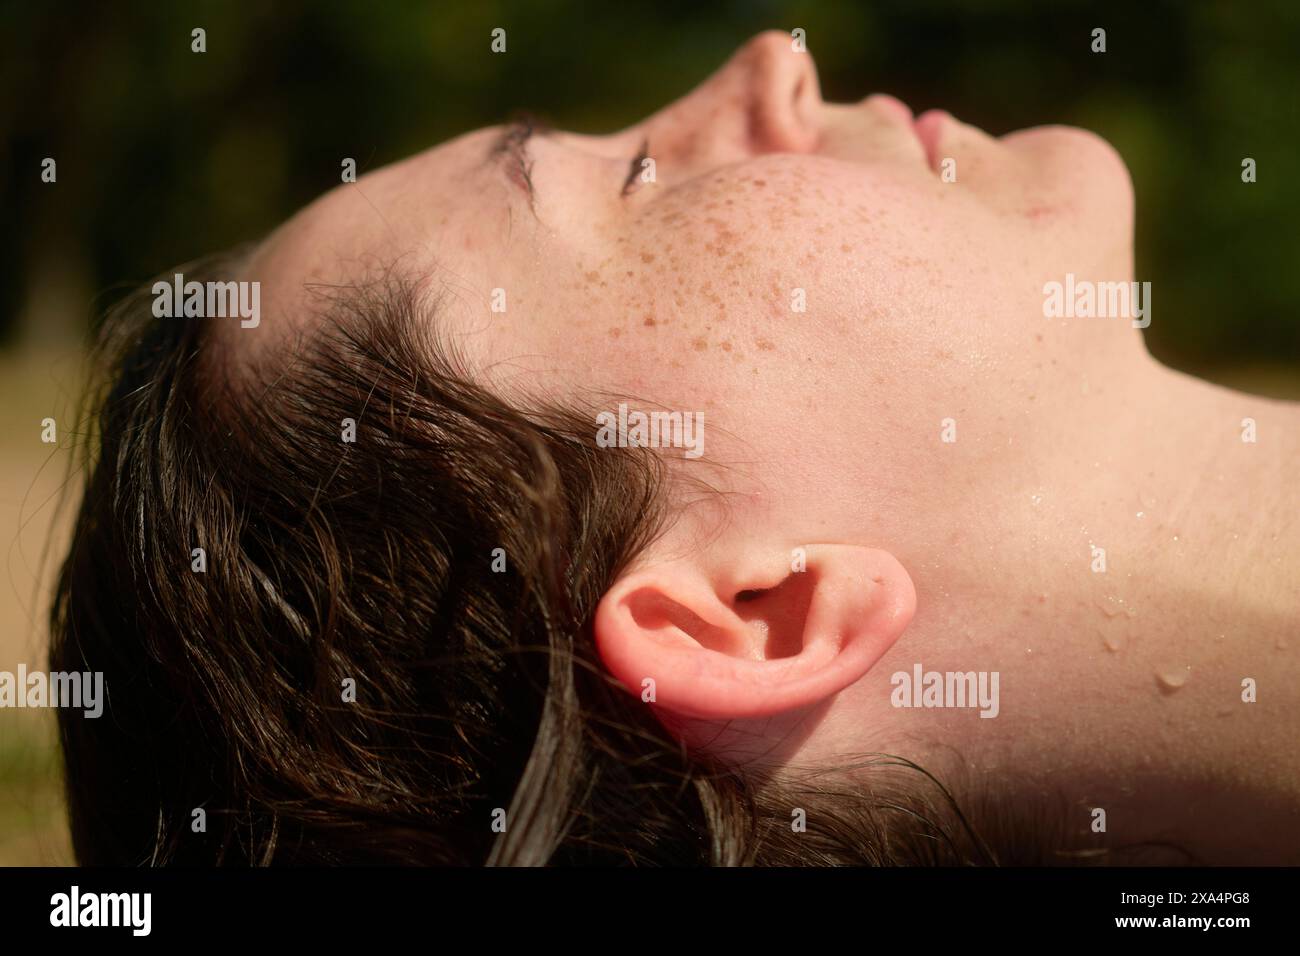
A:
(727, 642)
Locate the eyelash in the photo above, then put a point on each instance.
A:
(630, 184)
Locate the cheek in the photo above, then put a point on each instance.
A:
(766, 244)
(768, 276)
(706, 270)
(771, 268)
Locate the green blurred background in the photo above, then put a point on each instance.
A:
(164, 154)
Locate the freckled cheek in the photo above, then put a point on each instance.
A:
(705, 279)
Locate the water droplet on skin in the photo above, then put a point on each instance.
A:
(1036, 498)
(1141, 514)
(1112, 644)
(1113, 606)
(1172, 680)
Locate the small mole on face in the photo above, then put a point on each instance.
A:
(701, 344)
(649, 320)
(647, 257)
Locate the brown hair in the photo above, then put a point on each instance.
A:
(372, 561)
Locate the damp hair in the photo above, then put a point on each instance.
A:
(477, 690)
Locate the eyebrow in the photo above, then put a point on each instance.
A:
(510, 146)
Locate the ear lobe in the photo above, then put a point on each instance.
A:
(719, 648)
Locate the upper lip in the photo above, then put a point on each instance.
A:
(928, 140)
(895, 107)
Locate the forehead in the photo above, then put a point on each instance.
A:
(440, 208)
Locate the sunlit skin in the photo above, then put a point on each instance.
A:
(924, 302)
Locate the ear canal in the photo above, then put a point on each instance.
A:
(777, 616)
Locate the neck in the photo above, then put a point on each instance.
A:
(1123, 689)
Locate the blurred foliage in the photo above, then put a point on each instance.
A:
(33, 830)
(164, 154)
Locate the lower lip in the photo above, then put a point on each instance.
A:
(929, 130)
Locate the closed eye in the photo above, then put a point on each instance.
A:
(512, 146)
(630, 184)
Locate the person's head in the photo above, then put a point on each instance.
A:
(369, 570)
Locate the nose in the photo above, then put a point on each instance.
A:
(765, 99)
